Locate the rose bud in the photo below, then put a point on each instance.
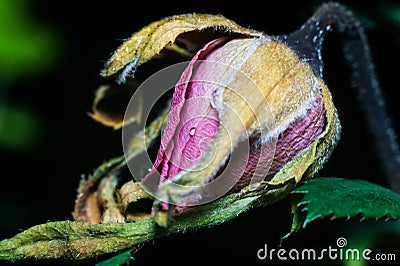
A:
(247, 115)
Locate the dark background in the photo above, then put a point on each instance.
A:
(39, 182)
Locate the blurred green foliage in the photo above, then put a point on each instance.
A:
(392, 11)
(27, 48)
(384, 15)
(20, 129)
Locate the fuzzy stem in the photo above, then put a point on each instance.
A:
(308, 41)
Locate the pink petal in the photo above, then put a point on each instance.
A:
(297, 137)
(192, 122)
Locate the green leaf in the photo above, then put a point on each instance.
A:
(117, 260)
(346, 198)
(298, 219)
(82, 240)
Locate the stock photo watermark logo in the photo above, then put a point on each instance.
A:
(340, 251)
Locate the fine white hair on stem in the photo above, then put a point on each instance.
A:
(307, 43)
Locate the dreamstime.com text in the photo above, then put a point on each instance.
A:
(338, 252)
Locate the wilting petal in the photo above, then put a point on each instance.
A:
(192, 121)
(296, 138)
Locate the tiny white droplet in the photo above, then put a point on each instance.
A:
(192, 131)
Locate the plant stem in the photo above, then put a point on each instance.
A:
(308, 41)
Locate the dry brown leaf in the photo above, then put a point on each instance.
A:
(110, 103)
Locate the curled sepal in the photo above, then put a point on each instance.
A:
(110, 102)
(148, 42)
(94, 191)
